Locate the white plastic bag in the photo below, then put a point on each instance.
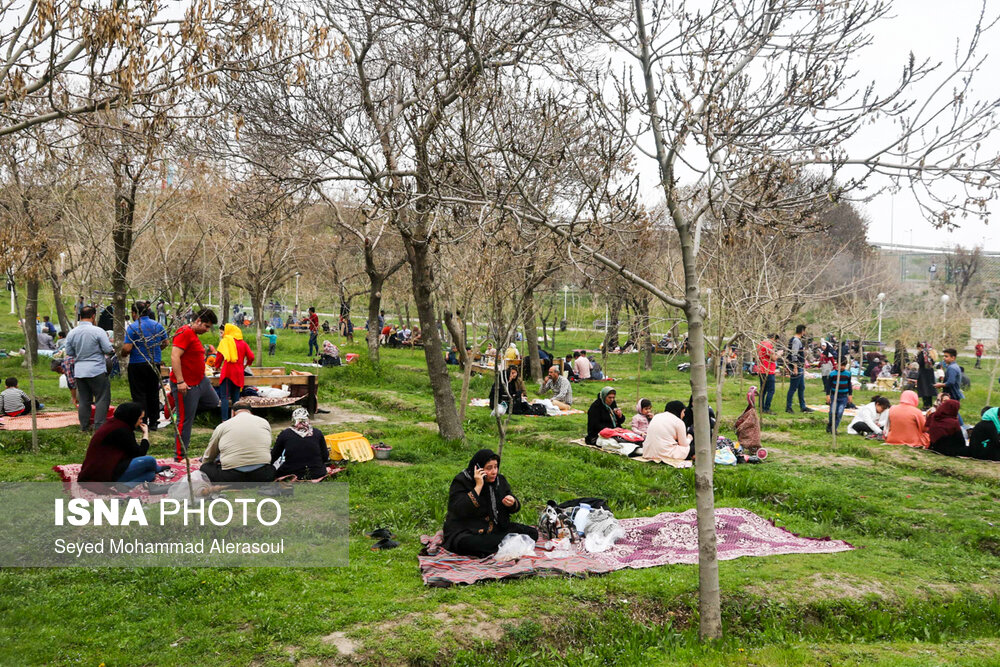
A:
(603, 530)
(550, 409)
(500, 410)
(561, 548)
(725, 457)
(200, 484)
(514, 546)
(63, 382)
(580, 516)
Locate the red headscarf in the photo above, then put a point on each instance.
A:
(944, 421)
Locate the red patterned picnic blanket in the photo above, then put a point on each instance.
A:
(667, 538)
(71, 471)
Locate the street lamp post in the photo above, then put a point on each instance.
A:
(881, 306)
(297, 274)
(944, 318)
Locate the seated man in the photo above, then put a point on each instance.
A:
(240, 449)
(45, 341)
(562, 390)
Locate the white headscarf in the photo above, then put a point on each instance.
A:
(300, 422)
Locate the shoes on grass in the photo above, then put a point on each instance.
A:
(380, 534)
(805, 410)
(385, 544)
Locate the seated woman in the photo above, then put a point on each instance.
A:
(667, 437)
(603, 413)
(301, 449)
(945, 431)
(480, 504)
(984, 439)
(871, 417)
(511, 391)
(113, 454)
(906, 423)
(330, 355)
(643, 413)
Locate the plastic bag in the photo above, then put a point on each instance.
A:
(499, 410)
(63, 382)
(514, 546)
(603, 530)
(200, 484)
(561, 548)
(550, 409)
(725, 457)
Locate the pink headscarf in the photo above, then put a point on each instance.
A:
(909, 397)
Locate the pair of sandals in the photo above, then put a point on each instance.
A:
(384, 537)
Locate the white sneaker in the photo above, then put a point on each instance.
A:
(163, 423)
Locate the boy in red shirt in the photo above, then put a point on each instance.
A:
(313, 330)
(191, 389)
(979, 354)
(767, 366)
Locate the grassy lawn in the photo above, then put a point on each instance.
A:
(922, 588)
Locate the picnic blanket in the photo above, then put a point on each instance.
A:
(265, 402)
(664, 539)
(46, 420)
(825, 409)
(673, 463)
(71, 471)
(485, 403)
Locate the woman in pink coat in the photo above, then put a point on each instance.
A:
(906, 423)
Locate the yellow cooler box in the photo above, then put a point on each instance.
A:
(350, 446)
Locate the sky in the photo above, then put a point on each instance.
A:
(931, 29)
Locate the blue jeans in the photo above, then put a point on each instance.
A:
(796, 383)
(228, 393)
(766, 391)
(140, 469)
(313, 343)
(837, 405)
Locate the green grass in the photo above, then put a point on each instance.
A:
(922, 589)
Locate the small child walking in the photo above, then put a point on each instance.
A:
(272, 341)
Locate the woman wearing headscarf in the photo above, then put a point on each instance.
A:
(925, 375)
(330, 356)
(300, 449)
(689, 417)
(643, 413)
(511, 391)
(603, 413)
(233, 355)
(984, 439)
(480, 504)
(667, 438)
(906, 423)
(113, 455)
(945, 431)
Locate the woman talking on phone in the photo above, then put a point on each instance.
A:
(480, 504)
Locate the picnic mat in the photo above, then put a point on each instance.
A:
(71, 471)
(46, 420)
(672, 463)
(825, 409)
(265, 402)
(664, 539)
(485, 403)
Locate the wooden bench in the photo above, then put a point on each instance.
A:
(304, 385)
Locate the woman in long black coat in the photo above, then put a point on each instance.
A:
(925, 376)
(480, 504)
(603, 413)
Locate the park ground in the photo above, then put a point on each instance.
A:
(923, 587)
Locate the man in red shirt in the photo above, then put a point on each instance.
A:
(313, 330)
(767, 366)
(979, 354)
(190, 388)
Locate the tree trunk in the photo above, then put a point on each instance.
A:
(30, 323)
(122, 237)
(422, 280)
(534, 370)
(224, 301)
(257, 303)
(374, 305)
(56, 280)
(407, 310)
(30, 333)
(545, 334)
(645, 337)
(457, 330)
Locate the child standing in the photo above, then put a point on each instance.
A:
(272, 341)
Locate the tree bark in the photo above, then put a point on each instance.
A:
(56, 280)
(645, 336)
(30, 323)
(422, 280)
(30, 332)
(122, 237)
(376, 281)
(534, 370)
(257, 303)
(224, 301)
(457, 330)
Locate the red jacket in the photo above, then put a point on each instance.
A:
(233, 370)
(765, 353)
